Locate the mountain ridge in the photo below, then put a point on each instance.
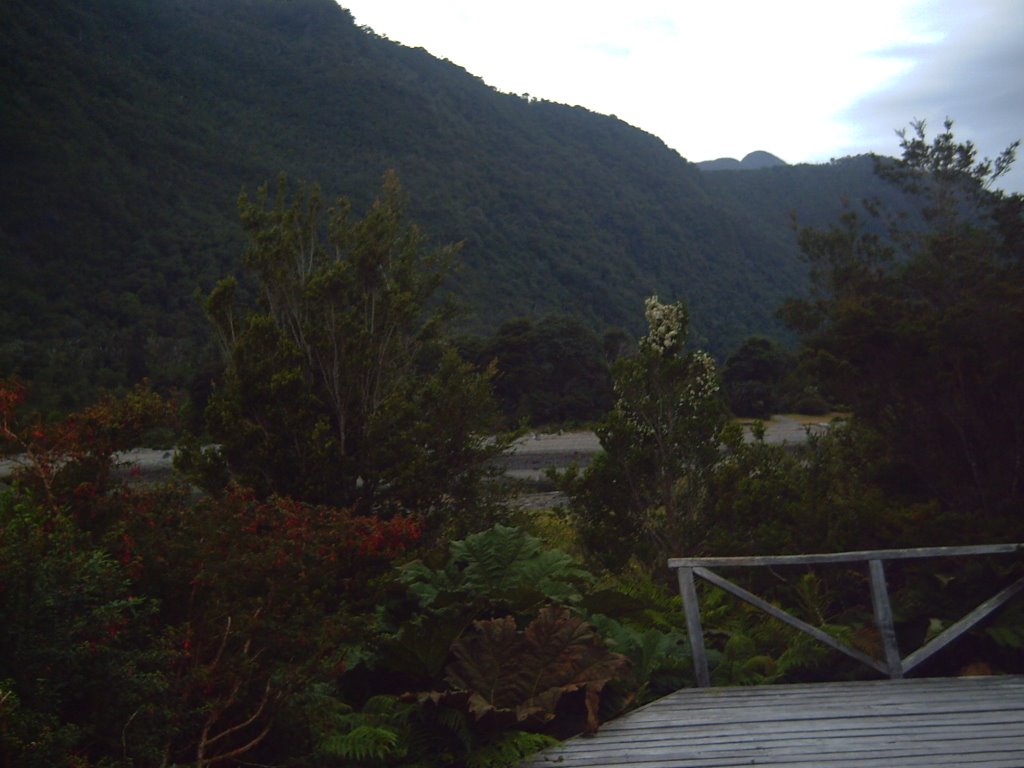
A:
(752, 161)
(130, 126)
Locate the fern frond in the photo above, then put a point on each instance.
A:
(508, 749)
(496, 564)
(451, 722)
(384, 705)
(365, 743)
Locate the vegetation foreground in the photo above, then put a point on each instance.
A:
(341, 581)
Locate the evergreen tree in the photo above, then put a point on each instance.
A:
(922, 332)
(341, 386)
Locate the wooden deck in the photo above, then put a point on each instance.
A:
(925, 723)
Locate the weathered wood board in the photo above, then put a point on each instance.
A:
(919, 723)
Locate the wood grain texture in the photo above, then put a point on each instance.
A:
(931, 723)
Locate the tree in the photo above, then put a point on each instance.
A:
(753, 375)
(646, 492)
(550, 371)
(922, 332)
(340, 387)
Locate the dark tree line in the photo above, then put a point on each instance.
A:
(921, 331)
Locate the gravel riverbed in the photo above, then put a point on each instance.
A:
(530, 458)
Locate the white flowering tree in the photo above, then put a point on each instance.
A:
(645, 495)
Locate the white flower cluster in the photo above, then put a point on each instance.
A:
(666, 324)
(704, 381)
(639, 425)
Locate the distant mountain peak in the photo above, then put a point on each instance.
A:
(752, 162)
(761, 159)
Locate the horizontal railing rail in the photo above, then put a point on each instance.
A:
(892, 665)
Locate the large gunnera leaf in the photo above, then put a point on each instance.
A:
(527, 672)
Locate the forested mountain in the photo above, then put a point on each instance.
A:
(129, 127)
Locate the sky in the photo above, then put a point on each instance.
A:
(807, 80)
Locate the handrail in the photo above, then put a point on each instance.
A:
(892, 665)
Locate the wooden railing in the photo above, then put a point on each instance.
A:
(892, 665)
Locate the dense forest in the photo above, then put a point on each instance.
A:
(252, 229)
(341, 579)
(129, 128)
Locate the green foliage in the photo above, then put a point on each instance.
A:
(946, 170)
(660, 660)
(387, 731)
(497, 572)
(33, 737)
(500, 566)
(372, 736)
(151, 626)
(209, 617)
(487, 640)
(549, 372)
(748, 648)
(826, 495)
(1008, 629)
(363, 744)
(754, 377)
(922, 331)
(340, 387)
(257, 599)
(509, 749)
(640, 616)
(384, 731)
(73, 632)
(643, 495)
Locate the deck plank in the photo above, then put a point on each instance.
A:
(913, 723)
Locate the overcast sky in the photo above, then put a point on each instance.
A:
(807, 80)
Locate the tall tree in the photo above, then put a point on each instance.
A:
(340, 385)
(922, 332)
(550, 371)
(753, 376)
(646, 493)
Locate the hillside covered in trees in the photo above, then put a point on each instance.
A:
(130, 127)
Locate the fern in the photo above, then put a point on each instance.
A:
(437, 735)
(456, 723)
(499, 564)
(385, 707)
(651, 652)
(813, 595)
(365, 743)
(377, 734)
(508, 749)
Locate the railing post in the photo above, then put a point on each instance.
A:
(693, 626)
(883, 619)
